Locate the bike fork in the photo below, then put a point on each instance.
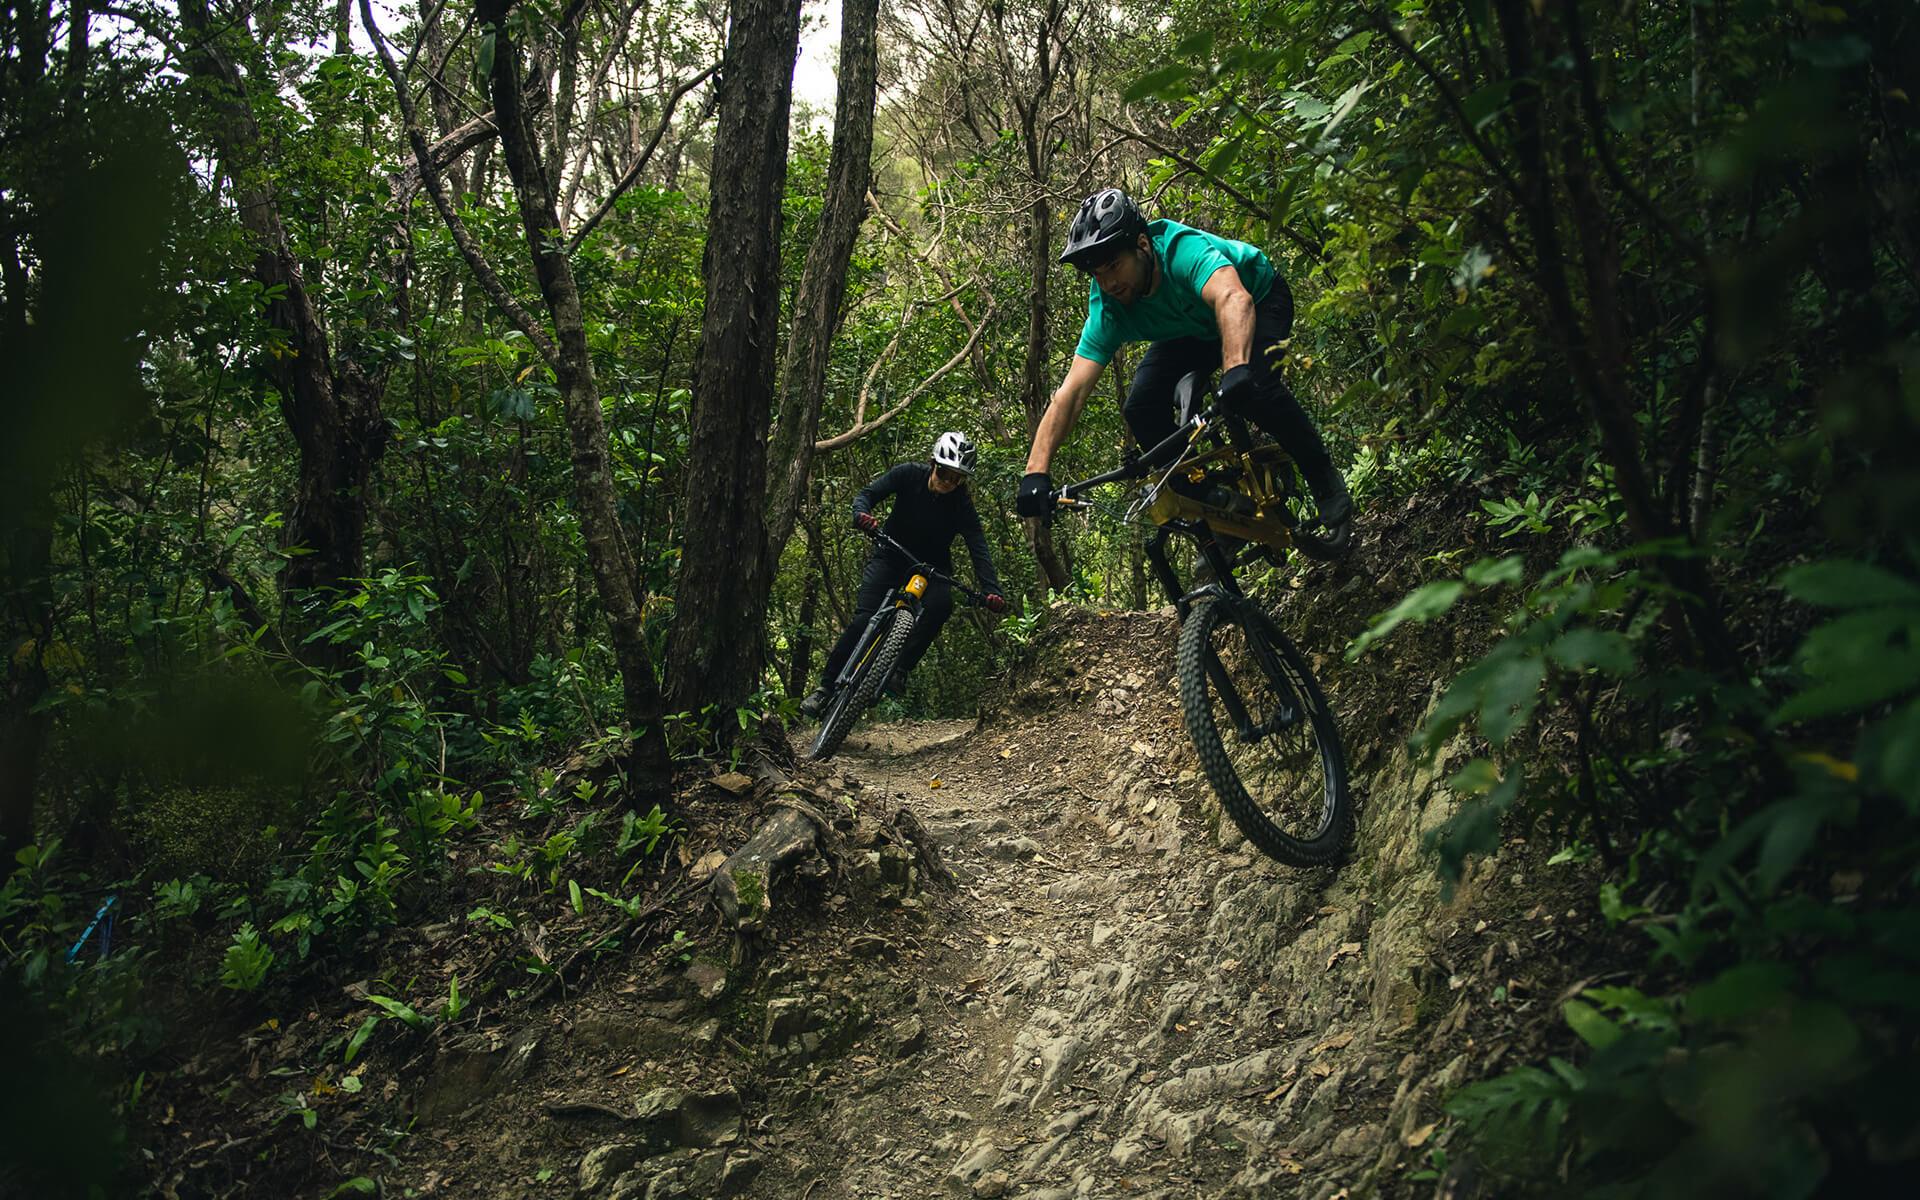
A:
(860, 648)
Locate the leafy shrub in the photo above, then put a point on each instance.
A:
(248, 958)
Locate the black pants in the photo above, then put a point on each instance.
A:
(1149, 408)
(883, 573)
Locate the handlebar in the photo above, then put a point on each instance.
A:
(880, 536)
(1163, 453)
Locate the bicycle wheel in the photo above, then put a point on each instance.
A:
(882, 652)
(1265, 735)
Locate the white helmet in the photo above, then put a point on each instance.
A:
(954, 450)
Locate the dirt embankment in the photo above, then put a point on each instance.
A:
(1031, 960)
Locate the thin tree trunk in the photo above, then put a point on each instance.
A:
(801, 657)
(719, 634)
(607, 551)
(331, 406)
(1034, 395)
(28, 611)
(817, 304)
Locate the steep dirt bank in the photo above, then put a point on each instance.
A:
(1121, 998)
(1095, 988)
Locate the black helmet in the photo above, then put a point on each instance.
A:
(1107, 223)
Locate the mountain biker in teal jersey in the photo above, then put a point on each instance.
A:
(1204, 303)
(932, 505)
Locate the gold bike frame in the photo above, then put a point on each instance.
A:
(1255, 474)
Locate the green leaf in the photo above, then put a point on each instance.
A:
(1890, 751)
(1195, 45)
(1478, 777)
(1422, 604)
(1882, 677)
(1636, 1007)
(1859, 980)
(1474, 829)
(1221, 158)
(1465, 319)
(1589, 1025)
(359, 1185)
(573, 893)
(1837, 647)
(1344, 107)
(1485, 104)
(1791, 827)
(483, 58)
(1578, 649)
(1845, 583)
(1834, 53)
(1493, 572)
(1740, 991)
(398, 1008)
(1309, 111)
(1166, 83)
(360, 1036)
(1501, 691)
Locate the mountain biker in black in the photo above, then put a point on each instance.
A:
(931, 506)
(1203, 302)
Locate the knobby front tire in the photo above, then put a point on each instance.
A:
(884, 651)
(1286, 785)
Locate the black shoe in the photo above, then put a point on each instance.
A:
(1331, 498)
(896, 684)
(816, 702)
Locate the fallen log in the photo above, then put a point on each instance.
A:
(787, 841)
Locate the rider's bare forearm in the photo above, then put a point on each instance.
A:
(1235, 314)
(1063, 413)
(1055, 424)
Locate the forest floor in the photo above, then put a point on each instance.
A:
(1031, 960)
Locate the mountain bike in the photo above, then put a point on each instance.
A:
(1266, 737)
(881, 644)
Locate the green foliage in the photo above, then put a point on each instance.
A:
(248, 958)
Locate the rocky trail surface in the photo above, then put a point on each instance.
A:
(1030, 959)
(1026, 956)
(1116, 995)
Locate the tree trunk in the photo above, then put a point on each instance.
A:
(607, 551)
(719, 633)
(801, 658)
(1034, 394)
(817, 304)
(28, 616)
(332, 407)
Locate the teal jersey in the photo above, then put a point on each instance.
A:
(1188, 258)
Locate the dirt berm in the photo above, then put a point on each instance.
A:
(1111, 995)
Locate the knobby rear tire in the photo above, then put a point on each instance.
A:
(1315, 822)
(837, 721)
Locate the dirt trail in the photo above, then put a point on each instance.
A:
(1118, 997)
(1113, 995)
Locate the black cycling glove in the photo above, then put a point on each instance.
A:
(1035, 498)
(1236, 387)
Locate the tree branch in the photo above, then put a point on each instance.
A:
(1245, 201)
(640, 163)
(430, 178)
(863, 427)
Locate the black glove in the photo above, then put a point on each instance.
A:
(1035, 498)
(996, 603)
(866, 522)
(1236, 387)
